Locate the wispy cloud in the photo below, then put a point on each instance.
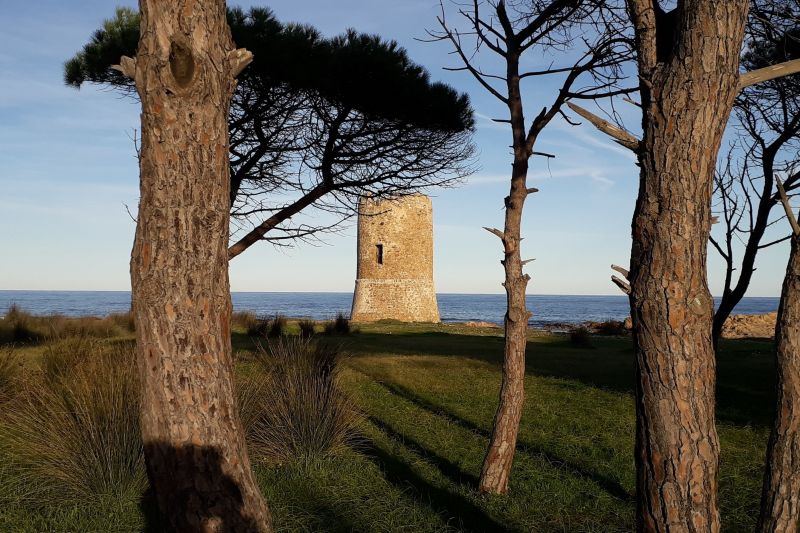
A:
(599, 175)
(488, 123)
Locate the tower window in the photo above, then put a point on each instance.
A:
(380, 253)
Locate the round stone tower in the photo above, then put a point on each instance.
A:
(395, 261)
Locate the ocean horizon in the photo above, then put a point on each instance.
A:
(453, 307)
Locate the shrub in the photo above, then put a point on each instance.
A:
(77, 437)
(277, 326)
(258, 328)
(306, 328)
(339, 326)
(17, 326)
(294, 408)
(611, 327)
(580, 336)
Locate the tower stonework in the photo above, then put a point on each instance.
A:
(395, 261)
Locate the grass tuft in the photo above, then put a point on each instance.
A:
(307, 328)
(295, 409)
(9, 372)
(72, 433)
(244, 320)
(21, 327)
(277, 326)
(339, 326)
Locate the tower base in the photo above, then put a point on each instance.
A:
(406, 300)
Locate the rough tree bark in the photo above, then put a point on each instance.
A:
(688, 66)
(194, 445)
(780, 499)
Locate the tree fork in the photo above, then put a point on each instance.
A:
(194, 444)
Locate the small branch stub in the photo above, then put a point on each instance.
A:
(127, 66)
(240, 58)
(494, 231)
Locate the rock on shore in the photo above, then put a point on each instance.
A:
(736, 327)
(750, 326)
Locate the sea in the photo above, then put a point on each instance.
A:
(547, 309)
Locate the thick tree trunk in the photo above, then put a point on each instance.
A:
(499, 458)
(194, 445)
(687, 93)
(780, 499)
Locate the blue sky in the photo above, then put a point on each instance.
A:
(68, 174)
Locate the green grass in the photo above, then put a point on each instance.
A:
(428, 395)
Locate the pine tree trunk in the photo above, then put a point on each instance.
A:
(687, 94)
(780, 499)
(194, 445)
(497, 463)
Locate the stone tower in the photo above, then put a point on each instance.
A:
(395, 261)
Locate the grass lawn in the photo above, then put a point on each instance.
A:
(428, 395)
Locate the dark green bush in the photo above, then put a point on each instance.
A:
(580, 336)
(277, 326)
(339, 326)
(306, 328)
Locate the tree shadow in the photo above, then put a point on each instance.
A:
(449, 469)
(611, 486)
(454, 507)
(745, 369)
(193, 491)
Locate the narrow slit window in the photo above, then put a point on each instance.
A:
(380, 253)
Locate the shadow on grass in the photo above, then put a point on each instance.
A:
(449, 469)
(746, 372)
(453, 507)
(194, 491)
(611, 486)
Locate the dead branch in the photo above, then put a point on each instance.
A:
(618, 134)
(769, 73)
(787, 207)
(624, 287)
(621, 270)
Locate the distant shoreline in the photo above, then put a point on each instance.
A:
(549, 312)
